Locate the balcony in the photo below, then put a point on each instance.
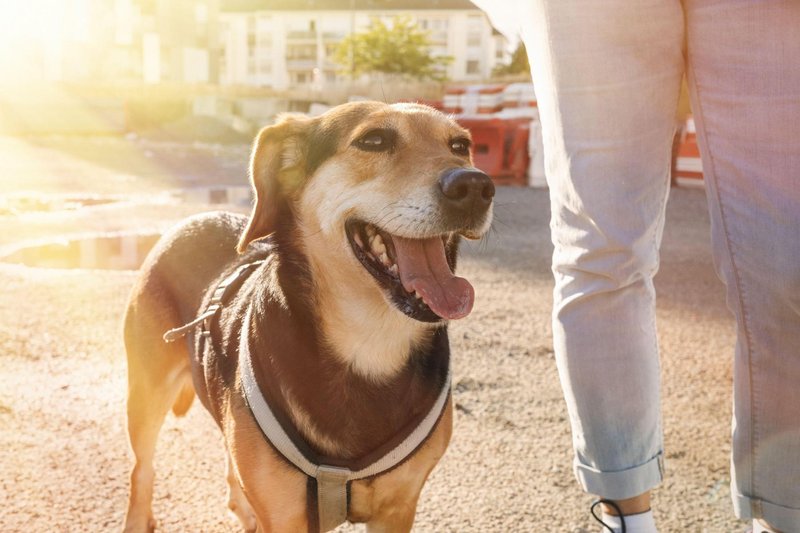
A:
(301, 64)
(333, 36)
(301, 36)
(438, 37)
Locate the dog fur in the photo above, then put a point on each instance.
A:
(342, 367)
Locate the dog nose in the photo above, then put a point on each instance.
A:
(467, 188)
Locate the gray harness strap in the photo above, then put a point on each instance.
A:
(331, 481)
(331, 496)
(221, 294)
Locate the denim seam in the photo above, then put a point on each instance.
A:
(736, 278)
(655, 244)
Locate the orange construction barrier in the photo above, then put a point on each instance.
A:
(500, 148)
(688, 169)
(452, 100)
(490, 99)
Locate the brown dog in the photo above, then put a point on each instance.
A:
(340, 316)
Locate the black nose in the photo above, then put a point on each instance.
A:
(467, 188)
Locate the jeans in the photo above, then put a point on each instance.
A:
(607, 76)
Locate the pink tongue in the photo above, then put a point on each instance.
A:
(423, 268)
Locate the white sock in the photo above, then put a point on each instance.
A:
(758, 527)
(634, 523)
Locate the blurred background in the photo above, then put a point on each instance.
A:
(112, 66)
(109, 103)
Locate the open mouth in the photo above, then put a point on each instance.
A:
(415, 273)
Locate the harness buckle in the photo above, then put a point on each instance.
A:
(211, 311)
(218, 298)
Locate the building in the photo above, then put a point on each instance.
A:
(117, 41)
(257, 43)
(178, 39)
(283, 43)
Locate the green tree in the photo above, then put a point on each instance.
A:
(519, 63)
(402, 49)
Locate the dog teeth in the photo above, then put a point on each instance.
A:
(357, 238)
(377, 249)
(376, 243)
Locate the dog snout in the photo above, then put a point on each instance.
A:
(467, 190)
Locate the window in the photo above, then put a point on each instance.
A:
(264, 26)
(201, 13)
(473, 66)
(264, 65)
(301, 51)
(301, 77)
(251, 44)
(330, 49)
(475, 22)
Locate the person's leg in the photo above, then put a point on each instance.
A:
(744, 73)
(607, 77)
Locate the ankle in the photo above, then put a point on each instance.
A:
(629, 506)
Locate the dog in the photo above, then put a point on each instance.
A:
(336, 293)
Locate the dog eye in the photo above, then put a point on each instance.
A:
(460, 146)
(376, 141)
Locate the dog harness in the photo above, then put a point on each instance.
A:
(331, 481)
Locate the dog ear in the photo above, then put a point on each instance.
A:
(276, 169)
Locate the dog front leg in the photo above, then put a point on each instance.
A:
(275, 490)
(386, 504)
(237, 501)
(399, 519)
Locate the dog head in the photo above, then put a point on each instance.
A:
(380, 195)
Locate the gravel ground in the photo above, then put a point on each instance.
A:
(65, 458)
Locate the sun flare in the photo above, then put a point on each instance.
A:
(35, 28)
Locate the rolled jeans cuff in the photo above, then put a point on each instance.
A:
(621, 484)
(780, 517)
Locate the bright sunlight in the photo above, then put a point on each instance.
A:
(31, 29)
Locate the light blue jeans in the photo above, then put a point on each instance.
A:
(607, 76)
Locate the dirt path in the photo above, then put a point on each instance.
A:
(65, 458)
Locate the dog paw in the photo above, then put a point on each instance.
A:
(140, 526)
